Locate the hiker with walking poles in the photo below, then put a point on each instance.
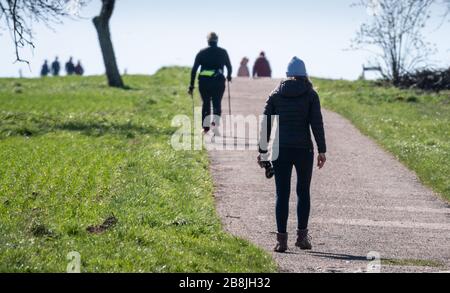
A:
(211, 61)
(296, 105)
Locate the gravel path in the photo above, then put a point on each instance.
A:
(363, 201)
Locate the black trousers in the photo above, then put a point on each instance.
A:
(211, 90)
(303, 161)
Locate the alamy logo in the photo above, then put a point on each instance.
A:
(230, 133)
(74, 265)
(374, 259)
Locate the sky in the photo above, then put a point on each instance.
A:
(149, 34)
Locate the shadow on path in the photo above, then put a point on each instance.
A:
(337, 256)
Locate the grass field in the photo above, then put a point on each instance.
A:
(74, 153)
(414, 126)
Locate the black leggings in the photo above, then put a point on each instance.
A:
(303, 160)
(211, 90)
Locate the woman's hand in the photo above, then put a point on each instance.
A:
(321, 160)
(259, 160)
(262, 158)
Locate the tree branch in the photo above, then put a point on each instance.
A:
(18, 17)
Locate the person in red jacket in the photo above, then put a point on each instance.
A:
(262, 67)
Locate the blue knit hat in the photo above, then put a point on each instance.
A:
(296, 68)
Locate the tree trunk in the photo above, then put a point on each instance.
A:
(396, 76)
(101, 23)
(395, 71)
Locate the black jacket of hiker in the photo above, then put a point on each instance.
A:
(297, 106)
(211, 58)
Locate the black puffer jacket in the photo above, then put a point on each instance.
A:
(297, 106)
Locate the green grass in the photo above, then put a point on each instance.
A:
(74, 152)
(411, 262)
(414, 126)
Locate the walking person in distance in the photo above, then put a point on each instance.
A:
(211, 81)
(56, 67)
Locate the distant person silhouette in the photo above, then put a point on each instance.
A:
(56, 67)
(262, 67)
(79, 70)
(45, 70)
(70, 67)
(243, 69)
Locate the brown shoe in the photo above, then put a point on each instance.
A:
(303, 240)
(282, 239)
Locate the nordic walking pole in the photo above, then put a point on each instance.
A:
(229, 99)
(229, 107)
(193, 108)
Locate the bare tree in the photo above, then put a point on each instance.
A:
(101, 23)
(448, 4)
(18, 16)
(395, 34)
(446, 12)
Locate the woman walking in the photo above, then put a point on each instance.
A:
(297, 107)
(243, 68)
(211, 81)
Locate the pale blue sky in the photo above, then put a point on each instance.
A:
(151, 34)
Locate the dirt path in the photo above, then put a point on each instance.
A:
(363, 201)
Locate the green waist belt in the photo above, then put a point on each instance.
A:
(210, 73)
